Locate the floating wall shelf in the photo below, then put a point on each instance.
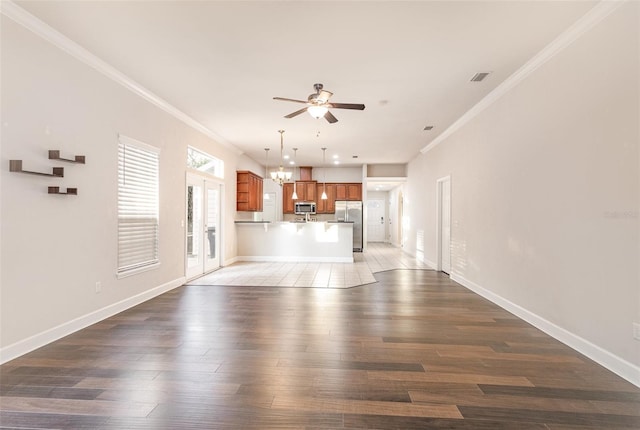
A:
(16, 166)
(55, 155)
(70, 191)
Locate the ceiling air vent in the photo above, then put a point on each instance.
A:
(479, 76)
(429, 127)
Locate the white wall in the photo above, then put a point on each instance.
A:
(337, 174)
(55, 248)
(387, 170)
(545, 195)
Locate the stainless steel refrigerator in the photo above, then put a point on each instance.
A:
(351, 211)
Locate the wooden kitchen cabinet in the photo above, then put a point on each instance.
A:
(341, 191)
(349, 191)
(311, 191)
(287, 201)
(354, 191)
(306, 191)
(326, 206)
(248, 191)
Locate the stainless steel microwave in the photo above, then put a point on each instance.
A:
(302, 208)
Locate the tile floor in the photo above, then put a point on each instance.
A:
(377, 258)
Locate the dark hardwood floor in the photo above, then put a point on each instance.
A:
(415, 350)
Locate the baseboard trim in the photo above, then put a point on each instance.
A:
(295, 259)
(617, 365)
(230, 261)
(29, 344)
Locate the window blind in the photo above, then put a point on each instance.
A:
(138, 212)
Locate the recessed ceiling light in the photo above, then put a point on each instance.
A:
(335, 156)
(479, 76)
(336, 162)
(429, 127)
(292, 162)
(286, 157)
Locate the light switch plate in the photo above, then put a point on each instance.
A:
(636, 331)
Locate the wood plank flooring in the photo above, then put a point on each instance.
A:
(413, 351)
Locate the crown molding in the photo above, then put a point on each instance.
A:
(30, 22)
(575, 31)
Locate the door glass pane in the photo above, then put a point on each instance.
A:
(212, 222)
(194, 225)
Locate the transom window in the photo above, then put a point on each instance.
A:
(204, 162)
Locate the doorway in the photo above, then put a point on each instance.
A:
(203, 226)
(375, 220)
(444, 224)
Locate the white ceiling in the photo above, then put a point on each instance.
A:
(222, 62)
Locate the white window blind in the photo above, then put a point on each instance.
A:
(138, 212)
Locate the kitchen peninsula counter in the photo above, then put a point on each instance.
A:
(328, 242)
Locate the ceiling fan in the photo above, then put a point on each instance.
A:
(318, 105)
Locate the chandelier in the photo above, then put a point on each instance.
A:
(280, 176)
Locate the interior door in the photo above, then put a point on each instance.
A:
(375, 220)
(203, 226)
(444, 225)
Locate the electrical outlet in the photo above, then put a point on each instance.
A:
(636, 331)
(98, 287)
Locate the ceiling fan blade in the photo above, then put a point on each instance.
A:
(329, 117)
(324, 96)
(356, 106)
(289, 100)
(296, 113)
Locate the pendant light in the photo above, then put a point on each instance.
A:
(294, 196)
(324, 174)
(266, 170)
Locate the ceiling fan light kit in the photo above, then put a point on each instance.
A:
(318, 105)
(317, 111)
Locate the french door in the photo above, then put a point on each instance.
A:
(203, 225)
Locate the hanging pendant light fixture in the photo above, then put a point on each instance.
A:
(294, 196)
(281, 176)
(324, 173)
(266, 170)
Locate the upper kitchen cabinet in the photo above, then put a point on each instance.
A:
(306, 191)
(248, 191)
(327, 206)
(287, 201)
(305, 173)
(349, 191)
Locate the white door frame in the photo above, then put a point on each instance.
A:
(206, 183)
(440, 222)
